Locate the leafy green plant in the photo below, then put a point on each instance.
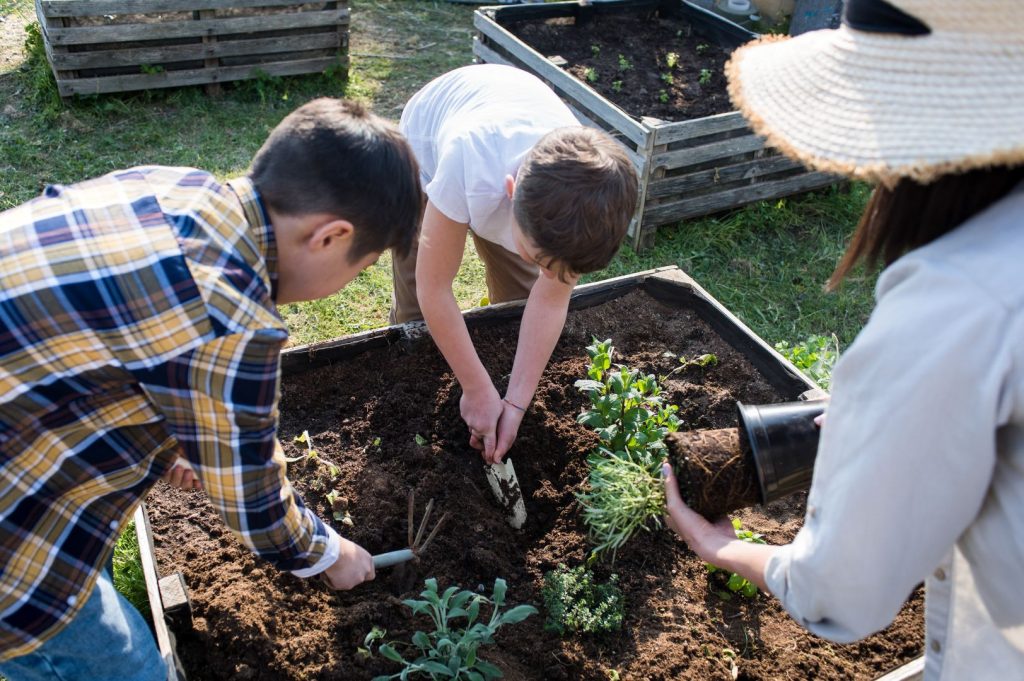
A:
(663, 97)
(617, 86)
(671, 60)
(420, 440)
(815, 356)
(595, 49)
(702, 48)
(624, 63)
(736, 583)
(668, 78)
(702, 361)
(450, 650)
(576, 603)
(631, 420)
(590, 74)
(705, 76)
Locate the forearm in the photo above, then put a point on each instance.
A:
(734, 555)
(541, 327)
(448, 329)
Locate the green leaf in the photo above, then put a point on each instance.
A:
(389, 652)
(500, 587)
(517, 614)
(420, 440)
(436, 668)
(474, 676)
(488, 669)
(421, 640)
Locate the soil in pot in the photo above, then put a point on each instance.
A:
(364, 415)
(646, 64)
(716, 475)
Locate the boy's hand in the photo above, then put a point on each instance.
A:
(508, 428)
(481, 412)
(181, 475)
(353, 567)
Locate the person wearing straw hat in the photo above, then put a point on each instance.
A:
(920, 468)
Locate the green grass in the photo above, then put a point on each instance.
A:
(128, 576)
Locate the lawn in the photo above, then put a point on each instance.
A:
(767, 262)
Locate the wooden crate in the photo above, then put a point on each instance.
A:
(687, 168)
(97, 46)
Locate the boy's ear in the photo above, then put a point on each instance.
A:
(330, 234)
(510, 185)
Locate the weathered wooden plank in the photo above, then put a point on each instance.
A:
(668, 133)
(84, 8)
(144, 81)
(81, 35)
(732, 198)
(714, 179)
(565, 84)
(137, 56)
(693, 156)
(911, 671)
(147, 556)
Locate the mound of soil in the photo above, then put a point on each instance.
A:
(646, 64)
(253, 622)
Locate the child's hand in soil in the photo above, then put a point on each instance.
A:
(353, 567)
(181, 475)
(481, 412)
(508, 428)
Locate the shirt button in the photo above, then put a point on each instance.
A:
(936, 646)
(114, 524)
(72, 600)
(940, 574)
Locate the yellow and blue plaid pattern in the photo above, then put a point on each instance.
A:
(136, 318)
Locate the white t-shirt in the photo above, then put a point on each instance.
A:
(920, 470)
(472, 127)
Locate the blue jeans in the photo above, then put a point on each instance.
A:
(108, 639)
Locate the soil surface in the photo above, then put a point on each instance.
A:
(646, 64)
(253, 622)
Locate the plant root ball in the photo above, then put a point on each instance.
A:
(716, 475)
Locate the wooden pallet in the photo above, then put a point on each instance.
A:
(99, 46)
(687, 168)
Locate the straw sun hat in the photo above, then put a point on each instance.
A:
(904, 88)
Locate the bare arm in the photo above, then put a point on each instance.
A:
(440, 254)
(543, 320)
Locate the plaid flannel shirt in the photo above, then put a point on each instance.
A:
(136, 317)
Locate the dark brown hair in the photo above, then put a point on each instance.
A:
(910, 215)
(575, 193)
(333, 156)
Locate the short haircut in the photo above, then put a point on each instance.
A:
(575, 193)
(333, 156)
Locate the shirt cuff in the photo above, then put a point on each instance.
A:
(327, 560)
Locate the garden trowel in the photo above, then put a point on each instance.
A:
(506, 490)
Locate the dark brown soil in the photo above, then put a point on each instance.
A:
(252, 622)
(625, 57)
(716, 476)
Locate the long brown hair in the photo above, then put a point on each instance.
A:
(910, 215)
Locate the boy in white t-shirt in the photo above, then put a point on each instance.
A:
(545, 199)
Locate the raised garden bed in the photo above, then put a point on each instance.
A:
(249, 621)
(97, 46)
(610, 62)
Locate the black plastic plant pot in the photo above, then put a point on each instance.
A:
(783, 439)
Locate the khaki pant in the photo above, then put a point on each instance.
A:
(508, 277)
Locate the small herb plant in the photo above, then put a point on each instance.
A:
(450, 650)
(590, 74)
(595, 49)
(576, 603)
(702, 361)
(631, 420)
(668, 78)
(736, 583)
(663, 97)
(815, 357)
(671, 60)
(617, 86)
(705, 76)
(702, 48)
(624, 63)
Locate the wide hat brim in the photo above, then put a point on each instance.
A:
(882, 107)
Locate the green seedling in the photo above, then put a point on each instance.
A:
(595, 49)
(671, 60)
(375, 635)
(612, 674)
(702, 48)
(624, 63)
(617, 86)
(420, 440)
(736, 583)
(310, 452)
(339, 507)
(450, 650)
(705, 76)
(590, 74)
(815, 356)
(576, 603)
(668, 78)
(702, 361)
(663, 97)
